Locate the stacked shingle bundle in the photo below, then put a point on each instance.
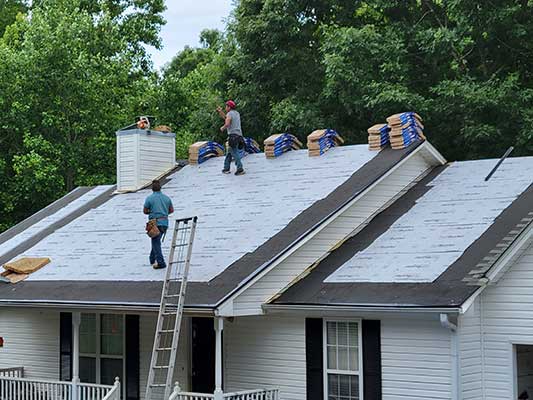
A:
(406, 128)
(322, 140)
(378, 136)
(202, 151)
(278, 144)
(251, 146)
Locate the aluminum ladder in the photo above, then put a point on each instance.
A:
(159, 385)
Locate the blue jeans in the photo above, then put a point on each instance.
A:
(157, 254)
(230, 154)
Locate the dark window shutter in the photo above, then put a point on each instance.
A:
(372, 359)
(314, 357)
(132, 357)
(65, 346)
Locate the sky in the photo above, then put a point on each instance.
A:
(185, 20)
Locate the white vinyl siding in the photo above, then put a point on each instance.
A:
(470, 352)
(147, 324)
(266, 352)
(31, 340)
(250, 301)
(507, 312)
(416, 359)
(142, 157)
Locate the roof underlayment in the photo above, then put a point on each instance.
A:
(456, 210)
(236, 215)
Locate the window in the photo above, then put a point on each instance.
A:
(102, 348)
(343, 360)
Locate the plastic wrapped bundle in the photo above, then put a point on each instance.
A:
(250, 147)
(202, 151)
(278, 144)
(378, 136)
(406, 128)
(322, 140)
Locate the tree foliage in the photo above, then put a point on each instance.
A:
(77, 70)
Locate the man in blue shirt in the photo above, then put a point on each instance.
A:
(157, 206)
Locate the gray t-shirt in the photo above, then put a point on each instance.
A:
(234, 127)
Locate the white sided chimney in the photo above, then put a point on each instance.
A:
(142, 156)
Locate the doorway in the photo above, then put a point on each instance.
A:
(202, 355)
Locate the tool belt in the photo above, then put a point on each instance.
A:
(236, 141)
(151, 227)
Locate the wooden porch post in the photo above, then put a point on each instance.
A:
(76, 319)
(219, 326)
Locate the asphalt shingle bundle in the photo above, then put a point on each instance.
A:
(378, 136)
(320, 141)
(278, 144)
(406, 128)
(202, 151)
(250, 147)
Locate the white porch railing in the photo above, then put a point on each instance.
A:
(259, 394)
(30, 389)
(15, 372)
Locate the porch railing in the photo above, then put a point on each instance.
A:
(15, 372)
(12, 388)
(258, 394)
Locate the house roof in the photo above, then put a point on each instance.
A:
(418, 252)
(99, 251)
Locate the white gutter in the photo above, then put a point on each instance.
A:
(280, 308)
(137, 307)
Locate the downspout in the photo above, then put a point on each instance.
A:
(454, 350)
(482, 345)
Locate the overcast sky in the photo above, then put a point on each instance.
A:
(185, 20)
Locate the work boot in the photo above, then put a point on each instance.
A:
(157, 266)
(240, 172)
(226, 171)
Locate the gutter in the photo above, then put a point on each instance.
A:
(403, 308)
(140, 307)
(446, 323)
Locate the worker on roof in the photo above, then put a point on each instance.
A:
(158, 206)
(232, 123)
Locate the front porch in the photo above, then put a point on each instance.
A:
(55, 348)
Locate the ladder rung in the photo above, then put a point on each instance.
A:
(172, 295)
(170, 313)
(177, 262)
(158, 385)
(166, 331)
(160, 367)
(181, 245)
(164, 348)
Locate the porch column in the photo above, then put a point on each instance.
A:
(76, 319)
(219, 326)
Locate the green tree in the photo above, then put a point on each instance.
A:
(70, 77)
(8, 12)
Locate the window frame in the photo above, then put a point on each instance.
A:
(98, 355)
(326, 370)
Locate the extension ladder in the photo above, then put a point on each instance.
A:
(167, 332)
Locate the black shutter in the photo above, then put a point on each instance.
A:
(65, 346)
(372, 359)
(314, 357)
(132, 357)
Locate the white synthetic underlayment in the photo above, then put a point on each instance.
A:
(43, 224)
(436, 231)
(236, 214)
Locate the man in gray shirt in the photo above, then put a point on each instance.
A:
(232, 123)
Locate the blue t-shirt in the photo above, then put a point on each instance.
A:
(158, 204)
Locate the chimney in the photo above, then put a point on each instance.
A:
(142, 156)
